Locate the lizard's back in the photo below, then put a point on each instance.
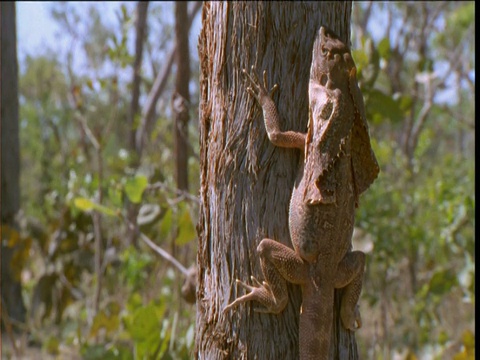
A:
(323, 230)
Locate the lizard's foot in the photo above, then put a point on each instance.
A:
(351, 318)
(262, 293)
(256, 89)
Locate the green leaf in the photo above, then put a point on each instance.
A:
(115, 195)
(52, 345)
(166, 224)
(404, 102)
(87, 205)
(381, 106)
(134, 188)
(134, 301)
(462, 17)
(145, 324)
(384, 48)
(442, 282)
(360, 57)
(105, 210)
(84, 204)
(104, 321)
(186, 228)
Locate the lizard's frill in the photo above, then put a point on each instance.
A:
(365, 166)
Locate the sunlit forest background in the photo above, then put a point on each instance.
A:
(105, 240)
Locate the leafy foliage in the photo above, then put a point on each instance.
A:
(105, 298)
(420, 211)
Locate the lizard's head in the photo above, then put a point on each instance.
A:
(332, 62)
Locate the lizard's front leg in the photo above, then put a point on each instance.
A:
(288, 139)
(279, 264)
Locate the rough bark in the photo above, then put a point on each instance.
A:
(246, 182)
(11, 291)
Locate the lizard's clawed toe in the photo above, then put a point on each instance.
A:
(244, 285)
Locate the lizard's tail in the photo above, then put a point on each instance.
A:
(316, 319)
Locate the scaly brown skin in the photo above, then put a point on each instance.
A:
(338, 164)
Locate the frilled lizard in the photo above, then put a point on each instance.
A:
(337, 165)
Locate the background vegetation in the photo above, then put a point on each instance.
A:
(94, 291)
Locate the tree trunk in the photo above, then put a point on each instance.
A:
(181, 105)
(246, 182)
(136, 148)
(181, 96)
(11, 290)
(140, 28)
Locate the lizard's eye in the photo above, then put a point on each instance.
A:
(348, 58)
(324, 51)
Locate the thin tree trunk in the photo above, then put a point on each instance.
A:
(246, 182)
(11, 290)
(140, 26)
(135, 148)
(180, 106)
(181, 97)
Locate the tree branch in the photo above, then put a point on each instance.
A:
(157, 249)
(181, 193)
(159, 86)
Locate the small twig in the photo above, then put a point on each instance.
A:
(76, 293)
(419, 123)
(164, 254)
(158, 250)
(88, 132)
(181, 193)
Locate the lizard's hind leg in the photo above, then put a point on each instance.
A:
(279, 265)
(350, 275)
